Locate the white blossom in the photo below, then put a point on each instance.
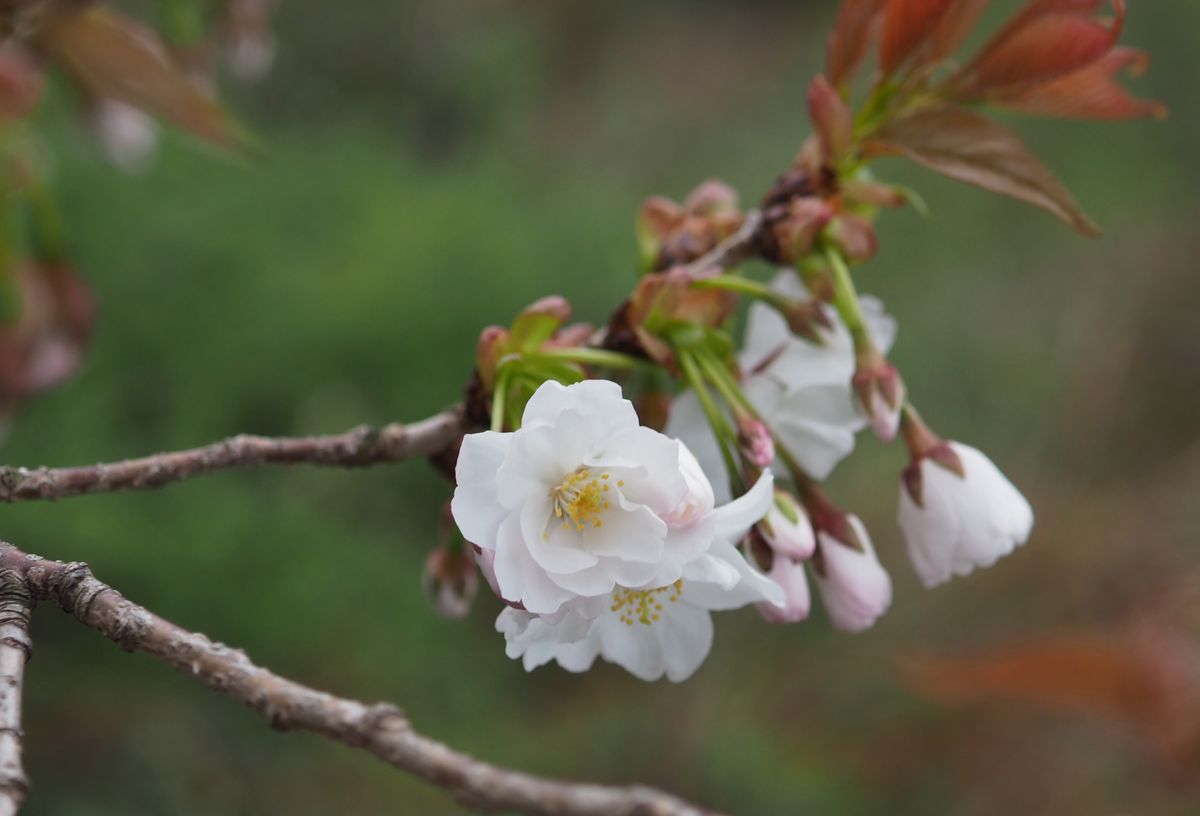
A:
(960, 522)
(854, 586)
(800, 389)
(651, 631)
(581, 499)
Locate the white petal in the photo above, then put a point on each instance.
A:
(734, 519)
(752, 586)
(475, 506)
(520, 579)
(600, 398)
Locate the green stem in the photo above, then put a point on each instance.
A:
(845, 299)
(722, 378)
(591, 356)
(499, 395)
(720, 425)
(743, 286)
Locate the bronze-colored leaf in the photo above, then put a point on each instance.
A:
(849, 38)
(115, 57)
(974, 149)
(907, 24)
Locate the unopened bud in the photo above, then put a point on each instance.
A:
(853, 584)
(796, 231)
(880, 392)
(854, 236)
(450, 580)
(787, 528)
(797, 600)
(754, 441)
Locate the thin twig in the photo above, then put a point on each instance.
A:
(734, 249)
(358, 447)
(16, 604)
(380, 729)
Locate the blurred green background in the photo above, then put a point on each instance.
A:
(431, 167)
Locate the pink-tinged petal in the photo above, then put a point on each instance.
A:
(789, 575)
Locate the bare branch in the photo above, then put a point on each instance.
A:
(16, 604)
(359, 447)
(381, 729)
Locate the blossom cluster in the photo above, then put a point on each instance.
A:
(612, 531)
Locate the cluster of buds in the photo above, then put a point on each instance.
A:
(671, 234)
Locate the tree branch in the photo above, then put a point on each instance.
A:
(16, 604)
(380, 729)
(359, 447)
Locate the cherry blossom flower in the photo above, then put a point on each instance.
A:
(581, 499)
(958, 512)
(800, 389)
(652, 630)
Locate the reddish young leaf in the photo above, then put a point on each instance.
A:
(1089, 93)
(1049, 39)
(1141, 678)
(906, 24)
(849, 38)
(951, 30)
(20, 84)
(973, 149)
(118, 58)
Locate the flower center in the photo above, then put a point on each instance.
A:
(644, 605)
(581, 499)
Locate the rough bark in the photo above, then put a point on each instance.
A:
(16, 604)
(359, 447)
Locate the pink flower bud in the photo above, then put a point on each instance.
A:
(755, 442)
(854, 586)
(450, 580)
(797, 601)
(787, 528)
(880, 392)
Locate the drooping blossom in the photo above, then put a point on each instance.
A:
(958, 512)
(581, 499)
(652, 631)
(802, 390)
(854, 586)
